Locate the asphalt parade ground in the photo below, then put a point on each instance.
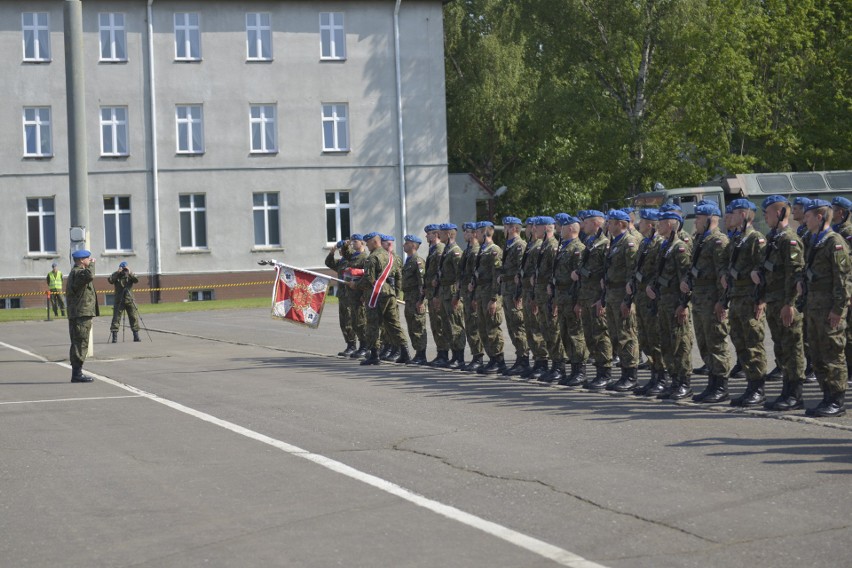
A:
(227, 438)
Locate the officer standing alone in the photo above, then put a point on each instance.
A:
(82, 307)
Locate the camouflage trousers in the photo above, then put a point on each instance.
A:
(390, 324)
(436, 324)
(489, 326)
(79, 329)
(472, 328)
(381, 318)
(787, 341)
(571, 333)
(453, 322)
(132, 316)
(357, 315)
(549, 327)
(596, 333)
(747, 335)
(828, 348)
(711, 335)
(515, 325)
(347, 319)
(416, 324)
(535, 339)
(675, 339)
(649, 331)
(622, 331)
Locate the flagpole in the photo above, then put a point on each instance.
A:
(311, 272)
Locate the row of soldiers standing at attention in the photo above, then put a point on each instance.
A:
(599, 286)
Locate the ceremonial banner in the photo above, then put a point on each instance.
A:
(298, 296)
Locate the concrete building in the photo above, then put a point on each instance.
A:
(220, 133)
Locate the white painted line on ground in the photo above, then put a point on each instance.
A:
(68, 399)
(534, 545)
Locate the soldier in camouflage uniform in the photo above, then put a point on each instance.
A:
(485, 289)
(590, 276)
(123, 280)
(645, 269)
(413, 271)
(394, 353)
(684, 237)
(453, 308)
(631, 228)
(563, 296)
(799, 204)
(542, 276)
(513, 257)
(672, 307)
(746, 317)
(339, 265)
(842, 225)
(355, 255)
(775, 290)
(825, 293)
(535, 340)
(471, 324)
(620, 261)
(82, 307)
(381, 301)
(430, 288)
(709, 259)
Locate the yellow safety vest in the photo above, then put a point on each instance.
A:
(55, 281)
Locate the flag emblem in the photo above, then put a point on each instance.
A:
(298, 296)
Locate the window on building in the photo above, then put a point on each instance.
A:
(187, 36)
(259, 36)
(265, 210)
(337, 224)
(264, 138)
(41, 224)
(190, 129)
(193, 221)
(113, 37)
(332, 37)
(37, 132)
(10, 303)
(200, 295)
(335, 128)
(36, 27)
(117, 228)
(114, 131)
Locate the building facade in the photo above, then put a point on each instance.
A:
(220, 133)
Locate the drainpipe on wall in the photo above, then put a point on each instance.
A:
(155, 178)
(403, 212)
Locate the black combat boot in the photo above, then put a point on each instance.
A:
(810, 376)
(419, 358)
(457, 362)
(360, 352)
(556, 374)
(644, 362)
(403, 356)
(702, 370)
(737, 372)
(538, 371)
(719, 392)
(114, 337)
(475, 364)
(790, 399)
(775, 374)
(602, 377)
(642, 390)
(711, 386)
(577, 376)
(660, 386)
(77, 375)
(832, 405)
(683, 390)
(350, 349)
(627, 382)
(385, 352)
(753, 395)
(136, 337)
(521, 366)
(372, 358)
(390, 354)
(495, 366)
(441, 360)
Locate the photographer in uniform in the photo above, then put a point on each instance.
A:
(123, 280)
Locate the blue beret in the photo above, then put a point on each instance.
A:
(709, 209)
(413, 239)
(356, 237)
(594, 213)
(545, 220)
(670, 215)
(742, 204)
(772, 199)
(628, 210)
(388, 238)
(122, 264)
(469, 226)
(448, 227)
(842, 202)
(649, 214)
(512, 221)
(729, 209)
(816, 204)
(83, 253)
(561, 218)
(707, 202)
(617, 215)
(670, 207)
(531, 220)
(483, 224)
(431, 227)
(801, 200)
(581, 214)
(369, 236)
(570, 220)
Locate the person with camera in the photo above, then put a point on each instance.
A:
(123, 279)
(82, 308)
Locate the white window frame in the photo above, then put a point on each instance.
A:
(338, 207)
(113, 31)
(267, 210)
(193, 210)
(113, 216)
(43, 216)
(192, 32)
(190, 123)
(331, 114)
(266, 120)
(41, 43)
(42, 129)
(117, 128)
(263, 36)
(331, 50)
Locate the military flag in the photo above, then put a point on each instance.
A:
(298, 295)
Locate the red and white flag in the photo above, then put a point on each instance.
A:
(298, 295)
